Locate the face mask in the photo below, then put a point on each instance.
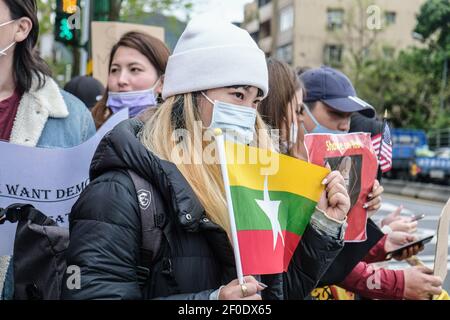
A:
(135, 101)
(3, 51)
(238, 122)
(294, 133)
(293, 137)
(319, 128)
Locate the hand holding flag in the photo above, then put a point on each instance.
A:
(335, 201)
(248, 290)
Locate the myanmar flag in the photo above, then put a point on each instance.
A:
(271, 208)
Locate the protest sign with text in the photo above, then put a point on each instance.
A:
(353, 155)
(49, 179)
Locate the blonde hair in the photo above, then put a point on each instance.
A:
(205, 179)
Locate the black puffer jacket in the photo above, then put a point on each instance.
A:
(196, 259)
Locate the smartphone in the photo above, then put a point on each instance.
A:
(399, 250)
(417, 217)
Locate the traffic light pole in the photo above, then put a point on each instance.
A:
(84, 55)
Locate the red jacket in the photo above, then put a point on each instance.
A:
(373, 283)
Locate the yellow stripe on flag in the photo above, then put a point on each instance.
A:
(247, 167)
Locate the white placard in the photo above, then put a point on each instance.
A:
(49, 179)
(441, 256)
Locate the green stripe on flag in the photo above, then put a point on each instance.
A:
(294, 212)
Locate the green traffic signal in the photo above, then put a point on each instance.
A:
(65, 32)
(65, 25)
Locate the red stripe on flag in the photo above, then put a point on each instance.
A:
(386, 148)
(258, 256)
(386, 155)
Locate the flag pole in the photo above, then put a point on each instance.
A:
(220, 141)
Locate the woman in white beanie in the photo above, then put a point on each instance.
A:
(215, 78)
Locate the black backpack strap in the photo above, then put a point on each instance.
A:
(151, 224)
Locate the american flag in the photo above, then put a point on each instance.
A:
(383, 141)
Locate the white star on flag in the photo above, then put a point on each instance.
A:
(270, 208)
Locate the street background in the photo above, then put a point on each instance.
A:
(426, 226)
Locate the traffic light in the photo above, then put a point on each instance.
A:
(70, 6)
(67, 22)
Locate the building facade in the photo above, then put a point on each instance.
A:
(309, 33)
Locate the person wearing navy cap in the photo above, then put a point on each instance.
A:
(329, 102)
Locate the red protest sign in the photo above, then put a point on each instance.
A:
(353, 155)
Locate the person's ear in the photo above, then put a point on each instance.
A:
(25, 25)
(160, 86)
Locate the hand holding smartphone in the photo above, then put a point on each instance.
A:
(399, 250)
(417, 217)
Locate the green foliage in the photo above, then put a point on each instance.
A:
(434, 21)
(119, 10)
(46, 7)
(136, 9)
(409, 85)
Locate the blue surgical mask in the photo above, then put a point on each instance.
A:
(237, 122)
(319, 128)
(3, 51)
(135, 101)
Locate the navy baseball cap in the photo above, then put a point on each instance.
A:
(335, 89)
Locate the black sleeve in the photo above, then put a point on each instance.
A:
(352, 253)
(105, 239)
(104, 242)
(313, 256)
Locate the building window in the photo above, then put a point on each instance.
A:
(335, 19)
(388, 52)
(333, 55)
(390, 17)
(262, 3)
(265, 29)
(286, 18)
(284, 53)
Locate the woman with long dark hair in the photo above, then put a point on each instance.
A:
(34, 111)
(137, 64)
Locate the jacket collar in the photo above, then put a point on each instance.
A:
(121, 149)
(35, 107)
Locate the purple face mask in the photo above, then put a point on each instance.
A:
(135, 101)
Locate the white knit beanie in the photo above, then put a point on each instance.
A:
(213, 54)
